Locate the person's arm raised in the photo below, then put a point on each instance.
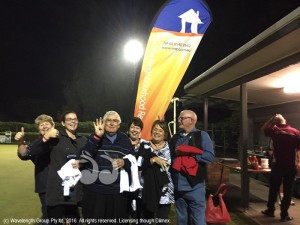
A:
(99, 127)
(269, 123)
(19, 137)
(51, 133)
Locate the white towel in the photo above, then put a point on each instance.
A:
(124, 178)
(69, 175)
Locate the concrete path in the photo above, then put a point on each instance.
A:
(257, 202)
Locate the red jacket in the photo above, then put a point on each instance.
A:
(185, 161)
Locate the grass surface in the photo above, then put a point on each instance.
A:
(18, 199)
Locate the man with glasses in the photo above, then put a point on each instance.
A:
(107, 146)
(190, 188)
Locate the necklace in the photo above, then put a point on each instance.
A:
(158, 146)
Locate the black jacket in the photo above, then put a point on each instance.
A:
(154, 180)
(41, 167)
(59, 148)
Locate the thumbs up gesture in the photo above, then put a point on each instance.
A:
(20, 136)
(51, 133)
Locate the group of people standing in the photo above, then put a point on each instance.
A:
(124, 179)
(49, 152)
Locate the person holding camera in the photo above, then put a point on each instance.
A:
(286, 143)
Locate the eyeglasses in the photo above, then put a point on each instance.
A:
(71, 119)
(183, 118)
(112, 121)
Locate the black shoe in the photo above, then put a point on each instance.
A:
(285, 219)
(268, 213)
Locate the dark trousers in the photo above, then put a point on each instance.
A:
(161, 214)
(63, 213)
(287, 177)
(105, 206)
(138, 213)
(42, 197)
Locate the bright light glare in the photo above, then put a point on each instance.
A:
(287, 78)
(133, 51)
(292, 81)
(291, 89)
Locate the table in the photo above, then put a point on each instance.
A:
(233, 163)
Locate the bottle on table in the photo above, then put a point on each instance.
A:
(255, 164)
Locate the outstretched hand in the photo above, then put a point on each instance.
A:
(51, 133)
(99, 127)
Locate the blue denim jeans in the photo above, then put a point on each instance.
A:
(191, 202)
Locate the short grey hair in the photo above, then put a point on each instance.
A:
(108, 113)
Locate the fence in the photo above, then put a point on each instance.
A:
(6, 138)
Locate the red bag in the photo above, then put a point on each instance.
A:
(217, 213)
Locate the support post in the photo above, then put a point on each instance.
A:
(244, 147)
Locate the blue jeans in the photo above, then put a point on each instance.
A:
(191, 202)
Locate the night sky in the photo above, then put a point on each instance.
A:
(58, 55)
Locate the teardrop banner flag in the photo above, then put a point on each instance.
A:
(173, 40)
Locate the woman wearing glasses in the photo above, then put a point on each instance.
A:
(62, 146)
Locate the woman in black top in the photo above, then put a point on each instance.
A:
(62, 146)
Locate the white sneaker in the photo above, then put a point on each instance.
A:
(292, 202)
(280, 196)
